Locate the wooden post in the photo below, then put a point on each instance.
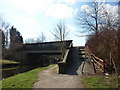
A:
(93, 65)
(104, 66)
(83, 64)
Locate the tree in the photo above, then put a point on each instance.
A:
(89, 18)
(41, 38)
(2, 35)
(95, 16)
(110, 17)
(60, 33)
(107, 44)
(118, 57)
(16, 39)
(30, 40)
(4, 26)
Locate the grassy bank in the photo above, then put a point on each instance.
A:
(23, 80)
(101, 81)
(7, 62)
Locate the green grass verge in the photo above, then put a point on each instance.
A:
(23, 80)
(100, 81)
(7, 62)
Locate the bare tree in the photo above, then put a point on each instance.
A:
(4, 26)
(30, 40)
(2, 40)
(88, 19)
(41, 37)
(110, 17)
(60, 33)
(94, 16)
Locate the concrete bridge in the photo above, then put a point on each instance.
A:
(47, 47)
(33, 53)
(67, 65)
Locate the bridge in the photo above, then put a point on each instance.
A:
(47, 47)
(34, 52)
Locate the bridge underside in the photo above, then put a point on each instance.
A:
(42, 58)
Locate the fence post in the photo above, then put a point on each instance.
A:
(83, 64)
(93, 64)
(104, 66)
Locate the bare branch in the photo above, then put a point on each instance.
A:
(97, 17)
(60, 32)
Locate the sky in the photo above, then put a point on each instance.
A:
(31, 17)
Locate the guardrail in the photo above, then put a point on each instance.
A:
(102, 65)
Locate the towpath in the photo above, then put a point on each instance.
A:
(50, 79)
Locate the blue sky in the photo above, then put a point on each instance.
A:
(31, 17)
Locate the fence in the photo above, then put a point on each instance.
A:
(102, 65)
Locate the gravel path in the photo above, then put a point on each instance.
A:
(50, 79)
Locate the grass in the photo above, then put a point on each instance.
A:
(7, 62)
(100, 81)
(23, 80)
(8, 68)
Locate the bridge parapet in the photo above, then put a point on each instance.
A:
(62, 64)
(56, 45)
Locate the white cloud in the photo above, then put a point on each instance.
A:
(60, 11)
(21, 13)
(67, 1)
(29, 16)
(49, 7)
(85, 8)
(31, 6)
(110, 8)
